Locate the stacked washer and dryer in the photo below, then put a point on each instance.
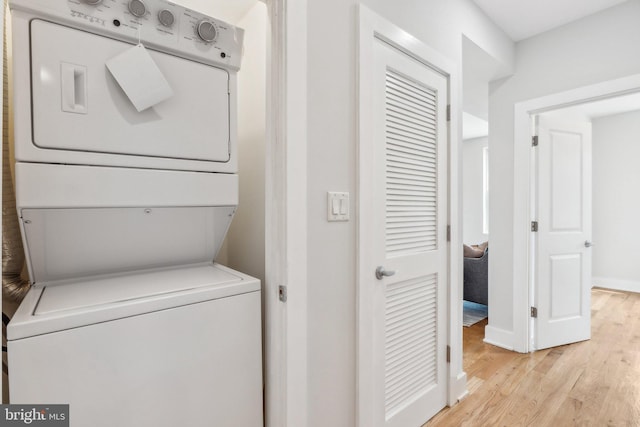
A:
(123, 208)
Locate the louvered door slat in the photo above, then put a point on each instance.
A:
(404, 149)
(410, 97)
(402, 178)
(400, 105)
(415, 117)
(418, 165)
(414, 355)
(411, 339)
(403, 86)
(411, 158)
(400, 152)
(400, 121)
(404, 373)
(398, 126)
(405, 138)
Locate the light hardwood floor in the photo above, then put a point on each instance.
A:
(591, 383)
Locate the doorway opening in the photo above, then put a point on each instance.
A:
(605, 155)
(479, 68)
(475, 219)
(525, 191)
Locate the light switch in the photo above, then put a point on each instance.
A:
(337, 206)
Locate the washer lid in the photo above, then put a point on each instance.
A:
(86, 294)
(73, 304)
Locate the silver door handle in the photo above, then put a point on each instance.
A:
(587, 244)
(381, 272)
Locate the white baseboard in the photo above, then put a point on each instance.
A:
(499, 337)
(617, 284)
(458, 388)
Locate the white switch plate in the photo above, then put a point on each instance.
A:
(338, 206)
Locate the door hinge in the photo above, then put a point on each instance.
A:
(534, 140)
(448, 233)
(282, 293)
(448, 113)
(534, 312)
(448, 354)
(534, 226)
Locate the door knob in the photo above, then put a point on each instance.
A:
(587, 244)
(381, 272)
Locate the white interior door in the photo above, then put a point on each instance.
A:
(408, 269)
(563, 256)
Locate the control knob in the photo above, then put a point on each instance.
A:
(166, 18)
(207, 30)
(93, 2)
(137, 8)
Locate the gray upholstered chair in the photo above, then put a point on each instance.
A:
(476, 275)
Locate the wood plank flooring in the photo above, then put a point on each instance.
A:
(591, 383)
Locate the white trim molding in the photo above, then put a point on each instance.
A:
(286, 387)
(371, 27)
(617, 284)
(522, 193)
(498, 337)
(458, 388)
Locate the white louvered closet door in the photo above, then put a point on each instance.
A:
(410, 198)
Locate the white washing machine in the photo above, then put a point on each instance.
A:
(123, 209)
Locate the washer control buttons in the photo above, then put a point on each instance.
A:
(137, 8)
(166, 18)
(207, 30)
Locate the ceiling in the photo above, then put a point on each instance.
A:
(522, 19)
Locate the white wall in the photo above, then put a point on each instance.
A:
(472, 190)
(243, 248)
(331, 145)
(597, 48)
(478, 69)
(616, 201)
(475, 93)
(245, 241)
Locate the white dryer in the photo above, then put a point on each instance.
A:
(129, 320)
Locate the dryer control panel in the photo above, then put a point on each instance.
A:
(159, 24)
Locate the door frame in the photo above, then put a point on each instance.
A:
(285, 329)
(523, 182)
(371, 27)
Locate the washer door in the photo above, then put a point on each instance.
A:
(78, 106)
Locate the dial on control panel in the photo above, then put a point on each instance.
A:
(93, 2)
(207, 30)
(166, 18)
(137, 8)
